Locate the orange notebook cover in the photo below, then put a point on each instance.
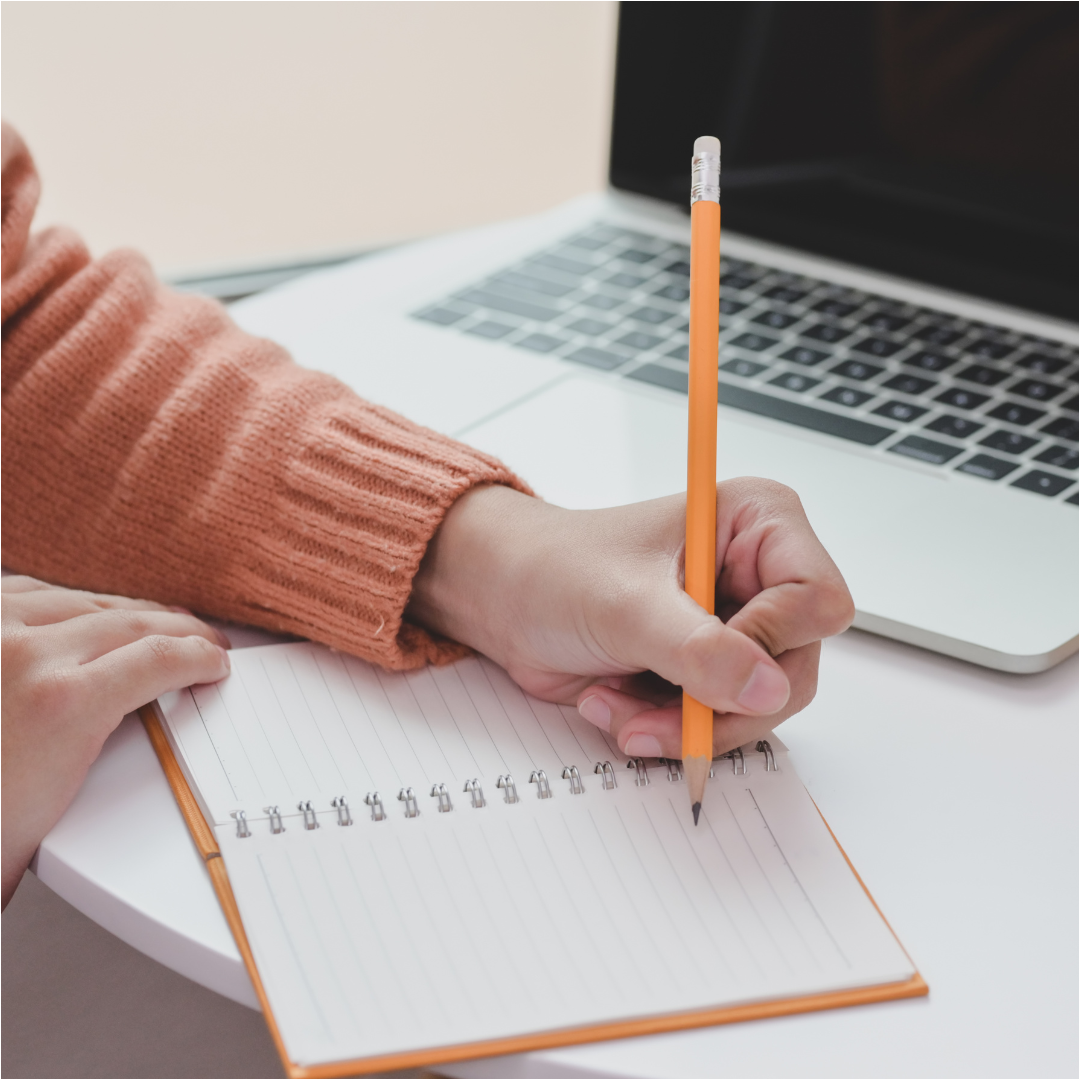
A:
(207, 843)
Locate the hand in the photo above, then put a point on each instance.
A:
(588, 607)
(74, 664)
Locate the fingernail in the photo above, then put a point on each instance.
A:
(641, 745)
(766, 691)
(595, 710)
(223, 639)
(225, 661)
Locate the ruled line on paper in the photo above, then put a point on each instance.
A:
(509, 720)
(315, 656)
(453, 720)
(380, 677)
(209, 735)
(288, 725)
(314, 718)
(371, 723)
(407, 684)
(480, 716)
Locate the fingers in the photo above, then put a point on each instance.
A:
(774, 571)
(145, 669)
(87, 637)
(40, 607)
(20, 583)
(642, 729)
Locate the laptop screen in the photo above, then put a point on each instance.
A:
(933, 141)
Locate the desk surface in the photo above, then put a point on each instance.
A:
(952, 788)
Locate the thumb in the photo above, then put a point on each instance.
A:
(714, 663)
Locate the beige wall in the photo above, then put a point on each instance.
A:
(215, 134)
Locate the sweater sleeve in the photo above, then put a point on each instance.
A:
(152, 449)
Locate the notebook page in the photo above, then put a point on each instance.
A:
(534, 915)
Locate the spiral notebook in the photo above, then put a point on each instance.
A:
(428, 866)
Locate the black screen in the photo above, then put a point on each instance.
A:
(934, 141)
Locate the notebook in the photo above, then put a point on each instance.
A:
(431, 866)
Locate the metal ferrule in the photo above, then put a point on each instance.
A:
(705, 178)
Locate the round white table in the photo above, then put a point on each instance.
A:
(952, 788)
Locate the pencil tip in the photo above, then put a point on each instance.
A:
(697, 811)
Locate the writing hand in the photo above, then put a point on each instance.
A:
(74, 664)
(588, 607)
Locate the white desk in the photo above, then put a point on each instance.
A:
(952, 788)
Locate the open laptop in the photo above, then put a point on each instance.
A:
(898, 340)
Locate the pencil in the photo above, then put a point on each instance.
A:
(700, 566)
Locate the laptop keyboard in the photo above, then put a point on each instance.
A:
(984, 400)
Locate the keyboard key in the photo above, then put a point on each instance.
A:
(876, 347)
(1045, 365)
(962, 399)
(984, 376)
(746, 368)
(592, 327)
(1063, 457)
(856, 369)
(910, 384)
(635, 256)
(754, 342)
(929, 361)
(776, 319)
(541, 343)
(882, 320)
(526, 283)
(597, 358)
(1071, 404)
(680, 352)
(682, 267)
(959, 427)
(675, 292)
(601, 301)
(989, 350)
(802, 355)
(915, 446)
(625, 281)
(650, 315)
(638, 340)
(835, 307)
(730, 307)
(939, 335)
(826, 332)
(844, 395)
(567, 266)
(587, 243)
(793, 412)
(489, 329)
(1008, 441)
(793, 380)
(440, 316)
(1074, 498)
(509, 305)
(1043, 482)
(661, 376)
(900, 410)
(785, 294)
(1020, 415)
(989, 468)
(1037, 391)
(1061, 427)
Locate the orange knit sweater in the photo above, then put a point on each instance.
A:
(151, 449)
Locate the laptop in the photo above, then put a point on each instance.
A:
(898, 288)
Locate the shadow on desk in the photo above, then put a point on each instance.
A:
(79, 1002)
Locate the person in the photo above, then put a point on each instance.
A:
(153, 450)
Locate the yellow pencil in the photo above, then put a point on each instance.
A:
(697, 719)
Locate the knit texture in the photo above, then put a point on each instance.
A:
(152, 449)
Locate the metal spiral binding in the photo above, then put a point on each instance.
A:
(408, 797)
(604, 769)
(641, 777)
(476, 792)
(543, 788)
(372, 799)
(763, 747)
(738, 762)
(310, 820)
(509, 788)
(344, 814)
(276, 824)
(242, 830)
(438, 791)
(576, 786)
(674, 768)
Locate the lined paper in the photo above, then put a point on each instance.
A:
(477, 924)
